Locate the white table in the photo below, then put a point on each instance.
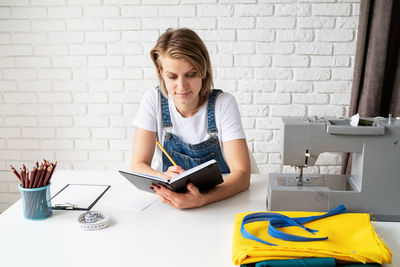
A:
(157, 236)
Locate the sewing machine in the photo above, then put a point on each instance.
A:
(374, 184)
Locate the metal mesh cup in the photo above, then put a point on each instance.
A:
(36, 203)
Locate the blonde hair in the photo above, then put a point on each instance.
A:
(184, 44)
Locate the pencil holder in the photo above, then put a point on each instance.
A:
(36, 203)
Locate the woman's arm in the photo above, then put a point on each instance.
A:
(142, 154)
(237, 157)
(142, 151)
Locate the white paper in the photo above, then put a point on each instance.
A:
(129, 198)
(137, 203)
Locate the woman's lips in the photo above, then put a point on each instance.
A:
(184, 95)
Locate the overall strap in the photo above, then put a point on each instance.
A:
(211, 124)
(166, 117)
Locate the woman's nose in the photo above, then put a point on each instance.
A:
(181, 83)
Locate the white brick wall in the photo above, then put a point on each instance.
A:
(72, 73)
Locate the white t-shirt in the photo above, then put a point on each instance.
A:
(192, 130)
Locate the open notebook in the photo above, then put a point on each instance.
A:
(204, 176)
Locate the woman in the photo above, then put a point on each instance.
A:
(193, 122)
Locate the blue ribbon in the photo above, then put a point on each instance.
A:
(277, 220)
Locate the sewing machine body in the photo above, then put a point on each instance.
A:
(373, 185)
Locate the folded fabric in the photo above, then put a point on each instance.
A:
(351, 238)
(308, 262)
(360, 265)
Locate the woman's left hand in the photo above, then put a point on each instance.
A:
(191, 199)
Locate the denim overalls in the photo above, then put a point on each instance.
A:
(187, 155)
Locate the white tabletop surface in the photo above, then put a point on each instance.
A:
(157, 236)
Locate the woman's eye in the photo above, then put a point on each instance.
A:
(191, 75)
(171, 77)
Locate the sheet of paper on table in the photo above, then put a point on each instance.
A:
(128, 197)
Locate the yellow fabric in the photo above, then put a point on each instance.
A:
(351, 238)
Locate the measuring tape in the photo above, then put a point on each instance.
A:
(93, 220)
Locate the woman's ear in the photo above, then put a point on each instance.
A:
(160, 71)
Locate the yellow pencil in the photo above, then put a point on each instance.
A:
(166, 153)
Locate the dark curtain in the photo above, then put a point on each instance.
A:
(376, 79)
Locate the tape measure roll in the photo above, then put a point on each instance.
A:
(93, 220)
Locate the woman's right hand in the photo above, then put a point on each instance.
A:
(172, 172)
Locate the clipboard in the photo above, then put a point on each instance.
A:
(78, 196)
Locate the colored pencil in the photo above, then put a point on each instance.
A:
(39, 175)
(17, 174)
(166, 153)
